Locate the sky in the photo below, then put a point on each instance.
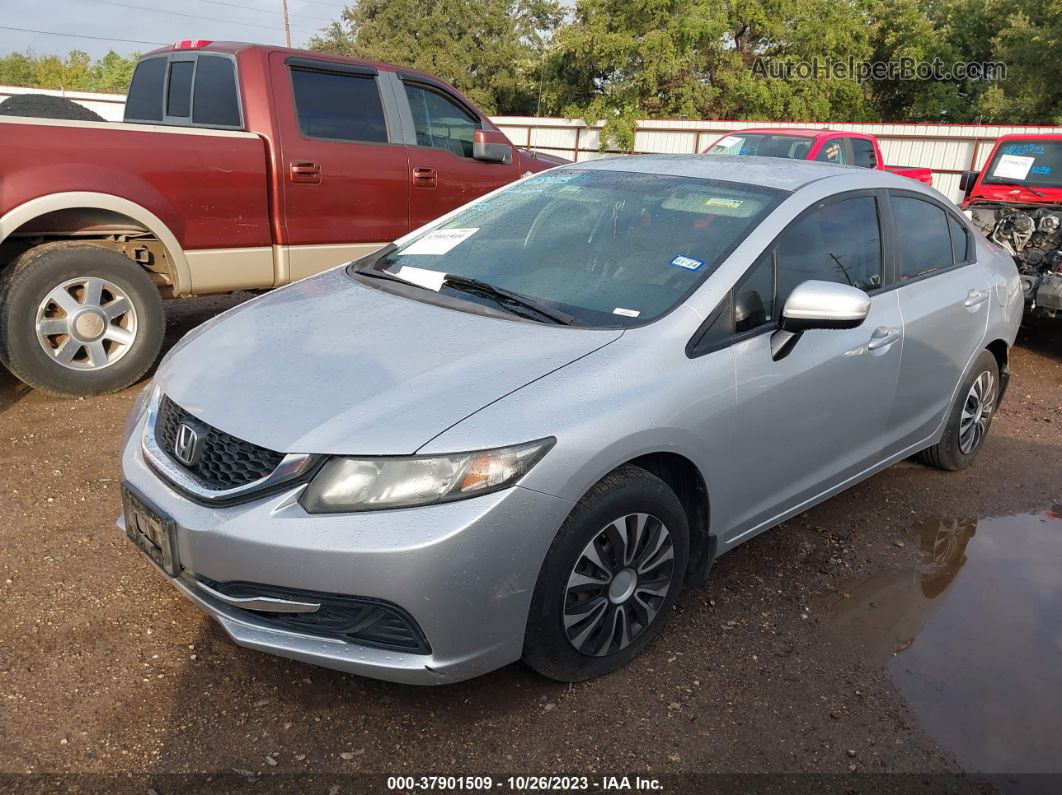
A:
(145, 24)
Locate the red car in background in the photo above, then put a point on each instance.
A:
(827, 146)
(1016, 200)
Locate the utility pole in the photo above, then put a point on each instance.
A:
(287, 25)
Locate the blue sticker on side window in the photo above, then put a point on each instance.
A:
(688, 263)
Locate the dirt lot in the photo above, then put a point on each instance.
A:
(105, 670)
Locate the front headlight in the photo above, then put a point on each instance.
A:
(367, 484)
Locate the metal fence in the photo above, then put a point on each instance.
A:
(946, 149)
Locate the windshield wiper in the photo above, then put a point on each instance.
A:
(508, 298)
(1017, 183)
(372, 273)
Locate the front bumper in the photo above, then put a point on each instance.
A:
(464, 571)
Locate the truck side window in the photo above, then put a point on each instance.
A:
(833, 151)
(863, 153)
(215, 102)
(338, 106)
(179, 89)
(144, 102)
(925, 244)
(440, 122)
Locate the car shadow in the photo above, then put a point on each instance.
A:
(11, 389)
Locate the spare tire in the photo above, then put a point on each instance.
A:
(45, 106)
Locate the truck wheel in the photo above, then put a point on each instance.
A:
(78, 319)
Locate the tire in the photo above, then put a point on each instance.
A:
(625, 495)
(100, 344)
(957, 448)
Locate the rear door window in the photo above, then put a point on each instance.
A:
(338, 106)
(924, 242)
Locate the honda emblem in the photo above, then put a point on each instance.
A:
(186, 445)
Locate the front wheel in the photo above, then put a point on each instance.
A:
(970, 417)
(609, 579)
(77, 319)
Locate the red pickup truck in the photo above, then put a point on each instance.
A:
(1016, 200)
(828, 146)
(238, 166)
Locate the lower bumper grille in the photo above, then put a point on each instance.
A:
(354, 619)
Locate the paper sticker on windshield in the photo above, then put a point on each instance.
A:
(1013, 167)
(730, 204)
(730, 140)
(688, 263)
(619, 310)
(439, 241)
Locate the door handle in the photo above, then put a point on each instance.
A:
(425, 177)
(975, 298)
(305, 171)
(883, 337)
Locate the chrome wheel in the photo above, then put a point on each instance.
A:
(618, 584)
(977, 412)
(86, 324)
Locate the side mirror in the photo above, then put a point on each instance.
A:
(491, 146)
(967, 180)
(818, 305)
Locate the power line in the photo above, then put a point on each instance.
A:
(197, 16)
(263, 10)
(79, 35)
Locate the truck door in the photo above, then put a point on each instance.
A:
(444, 175)
(342, 172)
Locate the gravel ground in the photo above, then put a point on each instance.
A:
(105, 670)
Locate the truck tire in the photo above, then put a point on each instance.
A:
(78, 319)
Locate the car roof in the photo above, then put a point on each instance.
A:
(768, 172)
(801, 131)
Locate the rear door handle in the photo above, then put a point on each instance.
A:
(883, 337)
(305, 171)
(425, 177)
(976, 298)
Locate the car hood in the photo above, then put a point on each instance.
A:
(329, 365)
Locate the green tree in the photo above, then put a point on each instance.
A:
(489, 49)
(74, 72)
(113, 72)
(1029, 42)
(619, 60)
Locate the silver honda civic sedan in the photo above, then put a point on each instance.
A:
(519, 431)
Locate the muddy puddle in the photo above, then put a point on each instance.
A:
(973, 637)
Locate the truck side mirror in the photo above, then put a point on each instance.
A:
(967, 180)
(491, 146)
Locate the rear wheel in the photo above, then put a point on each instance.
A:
(970, 417)
(610, 577)
(78, 319)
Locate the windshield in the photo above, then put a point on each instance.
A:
(794, 147)
(1029, 162)
(584, 247)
